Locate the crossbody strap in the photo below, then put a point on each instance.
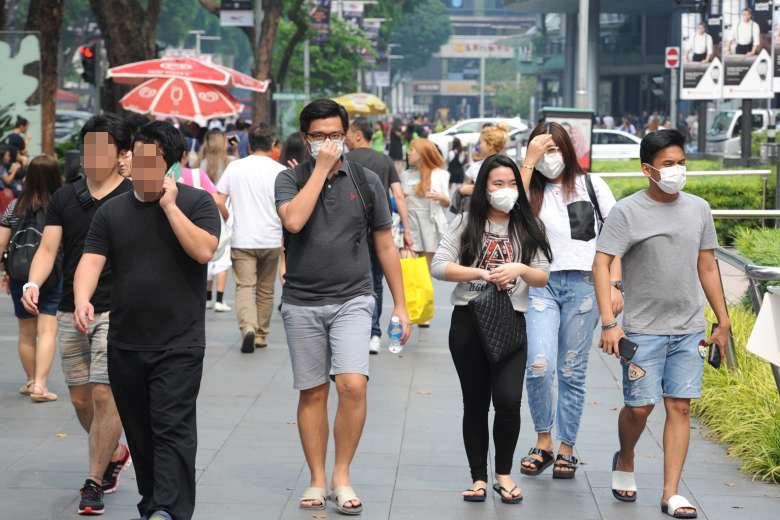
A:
(594, 200)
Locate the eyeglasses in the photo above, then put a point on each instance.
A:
(319, 137)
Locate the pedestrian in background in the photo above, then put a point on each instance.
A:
(500, 242)
(213, 161)
(562, 315)
(378, 138)
(396, 148)
(248, 184)
(492, 140)
(37, 332)
(294, 151)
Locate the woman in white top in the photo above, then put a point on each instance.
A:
(746, 37)
(426, 186)
(562, 315)
(213, 161)
(701, 49)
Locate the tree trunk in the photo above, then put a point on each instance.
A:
(46, 17)
(263, 57)
(129, 32)
(299, 16)
(2, 15)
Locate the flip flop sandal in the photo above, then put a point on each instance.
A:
(674, 505)
(313, 494)
(538, 465)
(25, 388)
(498, 488)
(476, 498)
(47, 397)
(343, 494)
(622, 481)
(565, 466)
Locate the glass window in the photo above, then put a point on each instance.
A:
(757, 121)
(468, 128)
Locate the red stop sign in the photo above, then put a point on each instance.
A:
(672, 57)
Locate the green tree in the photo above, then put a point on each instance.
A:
(512, 99)
(420, 33)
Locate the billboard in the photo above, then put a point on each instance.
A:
(702, 69)
(579, 125)
(776, 43)
(320, 21)
(20, 95)
(747, 49)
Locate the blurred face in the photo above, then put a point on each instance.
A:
(125, 163)
(100, 156)
(148, 171)
(414, 157)
(501, 177)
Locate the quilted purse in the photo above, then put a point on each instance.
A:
(501, 329)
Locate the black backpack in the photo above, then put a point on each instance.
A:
(357, 175)
(24, 243)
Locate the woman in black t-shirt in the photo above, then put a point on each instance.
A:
(37, 333)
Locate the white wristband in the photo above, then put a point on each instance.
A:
(28, 285)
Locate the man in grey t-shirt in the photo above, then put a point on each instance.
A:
(327, 300)
(666, 240)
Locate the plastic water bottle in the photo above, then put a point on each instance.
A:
(395, 331)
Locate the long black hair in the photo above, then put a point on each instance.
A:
(525, 230)
(41, 181)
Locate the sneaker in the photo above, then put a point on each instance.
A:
(374, 344)
(209, 304)
(222, 307)
(161, 515)
(91, 499)
(248, 343)
(114, 468)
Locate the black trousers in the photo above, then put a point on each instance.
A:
(480, 381)
(155, 393)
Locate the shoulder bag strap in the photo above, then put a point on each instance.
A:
(594, 200)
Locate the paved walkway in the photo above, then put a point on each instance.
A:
(410, 464)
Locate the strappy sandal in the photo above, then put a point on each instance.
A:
(313, 494)
(623, 481)
(46, 397)
(25, 388)
(538, 465)
(498, 488)
(565, 466)
(673, 506)
(481, 497)
(343, 494)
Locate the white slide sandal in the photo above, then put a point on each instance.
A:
(673, 506)
(622, 481)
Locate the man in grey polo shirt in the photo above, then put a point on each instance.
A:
(327, 210)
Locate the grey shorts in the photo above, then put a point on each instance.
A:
(328, 340)
(84, 356)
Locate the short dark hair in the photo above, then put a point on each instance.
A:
(654, 142)
(135, 121)
(114, 126)
(20, 121)
(261, 138)
(242, 125)
(323, 109)
(166, 136)
(363, 125)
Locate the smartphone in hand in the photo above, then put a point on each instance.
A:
(627, 348)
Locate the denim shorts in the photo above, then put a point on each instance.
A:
(48, 300)
(673, 367)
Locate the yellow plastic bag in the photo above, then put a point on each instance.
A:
(418, 288)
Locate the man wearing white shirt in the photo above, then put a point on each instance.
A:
(747, 35)
(701, 46)
(257, 235)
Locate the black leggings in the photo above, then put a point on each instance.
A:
(479, 380)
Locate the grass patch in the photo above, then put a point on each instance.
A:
(742, 408)
(633, 165)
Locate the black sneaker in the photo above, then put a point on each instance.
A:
(248, 343)
(91, 499)
(114, 468)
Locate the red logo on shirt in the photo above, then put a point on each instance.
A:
(353, 196)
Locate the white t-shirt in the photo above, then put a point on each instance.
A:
(574, 245)
(702, 44)
(249, 183)
(748, 33)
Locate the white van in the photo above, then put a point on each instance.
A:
(723, 135)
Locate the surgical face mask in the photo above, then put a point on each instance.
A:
(551, 165)
(316, 146)
(503, 199)
(672, 178)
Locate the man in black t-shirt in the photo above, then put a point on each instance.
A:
(359, 142)
(84, 360)
(158, 238)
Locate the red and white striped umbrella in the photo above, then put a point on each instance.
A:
(182, 99)
(186, 68)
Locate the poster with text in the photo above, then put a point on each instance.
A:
(579, 125)
(747, 49)
(701, 74)
(776, 45)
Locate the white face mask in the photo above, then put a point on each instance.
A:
(672, 178)
(503, 199)
(551, 165)
(317, 145)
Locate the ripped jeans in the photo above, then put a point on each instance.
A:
(560, 322)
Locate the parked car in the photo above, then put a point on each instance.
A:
(607, 144)
(468, 131)
(724, 133)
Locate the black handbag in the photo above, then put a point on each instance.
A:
(501, 329)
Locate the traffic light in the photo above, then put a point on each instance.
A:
(89, 63)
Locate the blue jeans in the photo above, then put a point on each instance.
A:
(377, 275)
(560, 321)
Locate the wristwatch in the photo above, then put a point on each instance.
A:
(28, 285)
(618, 284)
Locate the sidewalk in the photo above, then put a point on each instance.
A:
(410, 464)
